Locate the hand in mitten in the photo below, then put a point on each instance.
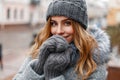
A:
(57, 63)
(55, 43)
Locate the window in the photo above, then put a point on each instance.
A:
(15, 13)
(8, 13)
(21, 14)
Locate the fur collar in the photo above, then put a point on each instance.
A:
(102, 54)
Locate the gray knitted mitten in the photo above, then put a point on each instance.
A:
(57, 63)
(54, 44)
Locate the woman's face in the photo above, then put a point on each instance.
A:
(62, 26)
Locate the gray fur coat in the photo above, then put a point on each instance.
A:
(27, 73)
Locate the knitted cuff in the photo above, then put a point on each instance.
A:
(51, 75)
(36, 66)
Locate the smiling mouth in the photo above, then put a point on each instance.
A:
(66, 36)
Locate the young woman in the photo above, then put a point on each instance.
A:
(64, 49)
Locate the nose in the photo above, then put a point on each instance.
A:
(60, 30)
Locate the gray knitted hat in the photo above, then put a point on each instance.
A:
(73, 9)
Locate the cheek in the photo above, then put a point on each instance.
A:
(69, 30)
(53, 30)
(69, 39)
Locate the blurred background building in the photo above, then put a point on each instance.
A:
(23, 12)
(113, 16)
(97, 12)
(14, 12)
(21, 19)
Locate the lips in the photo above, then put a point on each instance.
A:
(66, 36)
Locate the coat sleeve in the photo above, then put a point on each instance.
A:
(26, 72)
(99, 74)
(59, 78)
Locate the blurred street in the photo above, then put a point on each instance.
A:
(15, 44)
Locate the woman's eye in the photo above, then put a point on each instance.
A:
(67, 23)
(53, 24)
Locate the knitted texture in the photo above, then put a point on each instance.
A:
(73, 9)
(54, 44)
(57, 63)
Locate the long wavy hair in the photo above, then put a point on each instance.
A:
(84, 42)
